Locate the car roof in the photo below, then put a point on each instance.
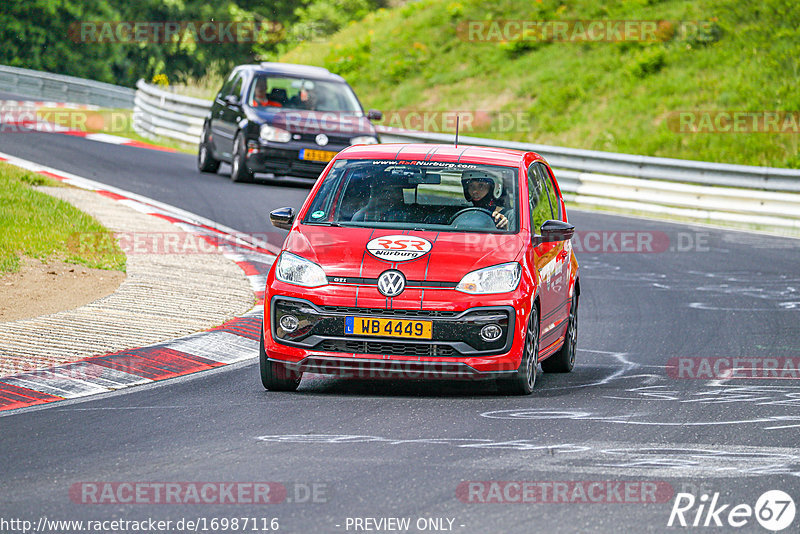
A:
(291, 69)
(448, 153)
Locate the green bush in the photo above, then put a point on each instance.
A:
(647, 62)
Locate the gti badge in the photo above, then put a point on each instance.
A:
(322, 139)
(391, 283)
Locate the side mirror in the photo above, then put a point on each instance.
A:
(374, 115)
(282, 218)
(231, 100)
(554, 230)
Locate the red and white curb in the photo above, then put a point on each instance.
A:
(21, 117)
(236, 340)
(23, 104)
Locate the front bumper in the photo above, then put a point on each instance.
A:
(284, 158)
(456, 350)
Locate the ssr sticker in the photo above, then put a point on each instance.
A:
(398, 247)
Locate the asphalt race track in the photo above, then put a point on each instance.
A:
(379, 449)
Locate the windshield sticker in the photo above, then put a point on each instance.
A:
(317, 214)
(426, 163)
(398, 247)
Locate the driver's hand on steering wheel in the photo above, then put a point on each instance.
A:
(500, 220)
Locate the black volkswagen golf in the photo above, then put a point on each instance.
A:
(282, 119)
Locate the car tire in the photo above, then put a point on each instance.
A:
(524, 380)
(564, 360)
(276, 376)
(205, 161)
(239, 171)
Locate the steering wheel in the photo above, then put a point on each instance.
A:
(465, 211)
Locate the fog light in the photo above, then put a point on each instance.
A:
(289, 323)
(491, 332)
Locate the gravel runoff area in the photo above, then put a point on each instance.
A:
(163, 296)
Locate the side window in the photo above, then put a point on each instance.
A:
(237, 87)
(538, 198)
(547, 178)
(226, 87)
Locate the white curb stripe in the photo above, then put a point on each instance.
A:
(221, 347)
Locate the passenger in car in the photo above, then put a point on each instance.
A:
(260, 92)
(260, 97)
(277, 97)
(386, 204)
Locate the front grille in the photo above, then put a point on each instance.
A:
(308, 166)
(378, 312)
(332, 139)
(386, 348)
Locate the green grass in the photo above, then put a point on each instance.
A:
(37, 225)
(613, 96)
(117, 122)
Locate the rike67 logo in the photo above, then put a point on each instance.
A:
(774, 510)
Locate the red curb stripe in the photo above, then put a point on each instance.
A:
(168, 218)
(155, 363)
(114, 196)
(53, 176)
(248, 268)
(140, 144)
(12, 397)
(249, 327)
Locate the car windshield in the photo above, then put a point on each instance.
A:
(426, 195)
(280, 92)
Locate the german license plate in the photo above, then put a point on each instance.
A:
(368, 326)
(309, 154)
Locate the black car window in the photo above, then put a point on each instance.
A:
(288, 93)
(225, 90)
(237, 87)
(538, 199)
(547, 178)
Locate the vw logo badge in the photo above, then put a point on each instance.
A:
(322, 139)
(391, 283)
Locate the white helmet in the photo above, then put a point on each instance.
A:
(494, 181)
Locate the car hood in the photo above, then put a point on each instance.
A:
(313, 122)
(342, 252)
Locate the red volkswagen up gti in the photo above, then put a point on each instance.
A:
(424, 261)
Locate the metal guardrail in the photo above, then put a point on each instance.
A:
(646, 167)
(160, 113)
(60, 88)
(708, 192)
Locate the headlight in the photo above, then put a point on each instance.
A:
(497, 279)
(270, 133)
(293, 269)
(364, 140)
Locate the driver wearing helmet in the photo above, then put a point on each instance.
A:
(485, 190)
